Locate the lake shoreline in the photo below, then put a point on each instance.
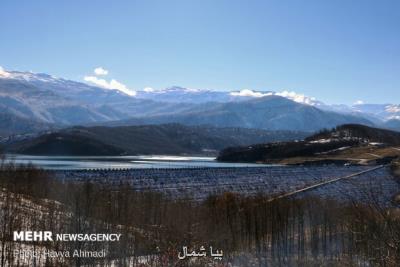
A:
(123, 162)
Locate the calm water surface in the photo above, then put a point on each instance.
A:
(140, 162)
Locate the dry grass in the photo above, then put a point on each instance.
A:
(356, 155)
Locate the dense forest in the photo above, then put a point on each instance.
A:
(251, 230)
(280, 150)
(145, 139)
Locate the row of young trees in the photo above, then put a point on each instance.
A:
(252, 231)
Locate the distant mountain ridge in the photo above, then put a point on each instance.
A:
(47, 100)
(268, 113)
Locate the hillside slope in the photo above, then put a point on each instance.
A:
(148, 139)
(11, 124)
(344, 144)
(363, 132)
(393, 124)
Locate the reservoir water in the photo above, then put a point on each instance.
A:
(118, 162)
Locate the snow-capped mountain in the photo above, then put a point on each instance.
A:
(80, 92)
(375, 112)
(381, 111)
(30, 100)
(268, 113)
(380, 114)
(299, 98)
(47, 100)
(177, 94)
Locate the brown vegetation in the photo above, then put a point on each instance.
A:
(250, 230)
(352, 144)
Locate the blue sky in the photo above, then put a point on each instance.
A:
(337, 51)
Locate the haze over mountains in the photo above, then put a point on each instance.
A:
(34, 101)
(268, 113)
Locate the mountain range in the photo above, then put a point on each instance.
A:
(35, 102)
(268, 113)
